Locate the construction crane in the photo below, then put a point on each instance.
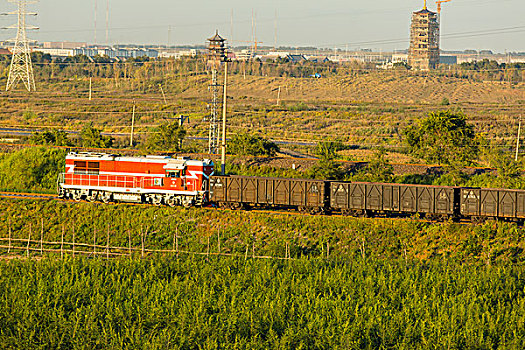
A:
(439, 2)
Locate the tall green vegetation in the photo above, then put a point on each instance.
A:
(327, 167)
(93, 138)
(191, 303)
(55, 137)
(244, 144)
(166, 137)
(378, 169)
(31, 169)
(267, 234)
(444, 137)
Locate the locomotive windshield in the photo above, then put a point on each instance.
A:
(174, 174)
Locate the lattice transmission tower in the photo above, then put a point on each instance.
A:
(21, 68)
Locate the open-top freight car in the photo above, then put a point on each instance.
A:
(238, 192)
(369, 199)
(479, 204)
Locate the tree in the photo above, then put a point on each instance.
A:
(92, 137)
(54, 137)
(444, 137)
(327, 168)
(379, 168)
(509, 171)
(252, 145)
(33, 168)
(167, 137)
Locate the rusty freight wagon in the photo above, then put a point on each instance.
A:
(492, 203)
(367, 199)
(238, 192)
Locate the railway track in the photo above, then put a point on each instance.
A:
(42, 196)
(28, 195)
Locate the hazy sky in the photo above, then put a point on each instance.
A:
(498, 25)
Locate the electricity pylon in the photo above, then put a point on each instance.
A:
(21, 68)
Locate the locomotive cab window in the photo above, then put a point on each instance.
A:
(174, 174)
(89, 168)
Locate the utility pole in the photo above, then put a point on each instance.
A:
(163, 95)
(253, 33)
(213, 132)
(231, 27)
(21, 68)
(132, 125)
(223, 146)
(90, 93)
(518, 140)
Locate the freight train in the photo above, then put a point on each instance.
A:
(182, 181)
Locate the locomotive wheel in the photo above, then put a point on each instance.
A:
(171, 202)
(76, 196)
(93, 197)
(346, 212)
(106, 197)
(156, 200)
(187, 202)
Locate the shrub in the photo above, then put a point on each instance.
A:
(31, 169)
(167, 137)
(54, 137)
(92, 137)
(444, 137)
(252, 145)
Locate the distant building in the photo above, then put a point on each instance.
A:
(277, 54)
(296, 58)
(317, 59)
(424, 40)
(63, 45)
(57, 52)
(244, 55)
(448, 60)
(117, 53)
(178, 54)
(399, 58)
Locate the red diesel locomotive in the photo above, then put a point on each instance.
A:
(151, 179)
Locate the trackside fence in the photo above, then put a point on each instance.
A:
(34, 246)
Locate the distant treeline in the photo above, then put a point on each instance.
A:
(146, 69)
